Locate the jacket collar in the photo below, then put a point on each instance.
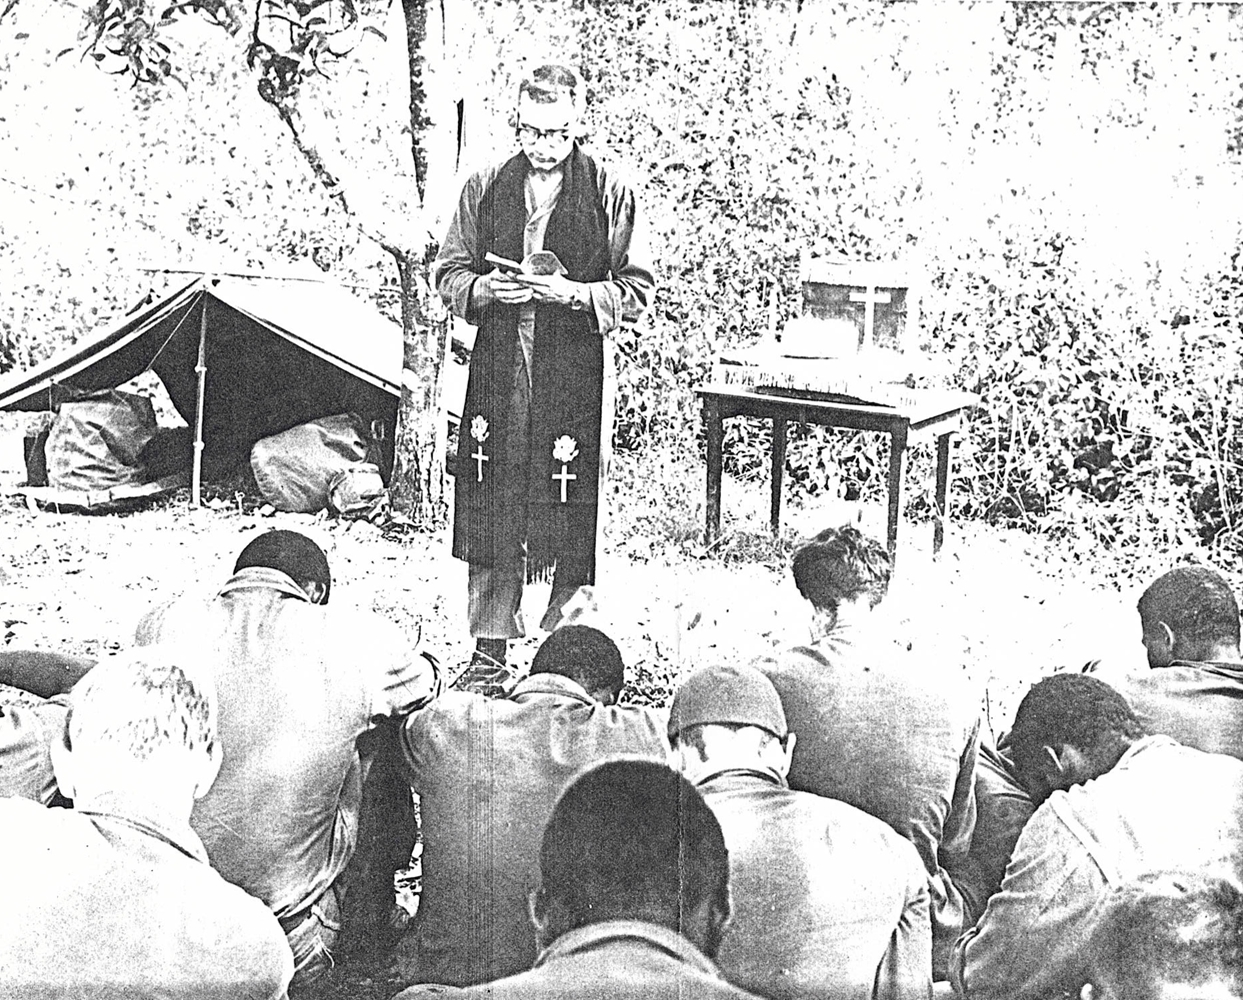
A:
(554, 684)
(605, 932)
(264, 578)
(740, 777)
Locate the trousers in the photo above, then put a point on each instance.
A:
(495, 597)
(312, 935)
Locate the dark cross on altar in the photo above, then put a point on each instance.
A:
(479, 458)
(870, 298)
(565, 477)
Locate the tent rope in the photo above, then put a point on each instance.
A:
(167, 340)
(52, 383)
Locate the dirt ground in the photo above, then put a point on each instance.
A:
(1001, 606)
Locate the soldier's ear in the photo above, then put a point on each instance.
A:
(547, 918)
(787, 754)
(208, 769)
(316, 592)
(1159, 642)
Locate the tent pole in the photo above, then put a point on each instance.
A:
(196, 488)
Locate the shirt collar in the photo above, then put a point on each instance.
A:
(551, 684)
(1212, 666)
(736, 777)
(116, 807)
(264, 577)
(1145, 743)
(607, 931)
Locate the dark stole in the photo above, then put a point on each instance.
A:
(492, 517)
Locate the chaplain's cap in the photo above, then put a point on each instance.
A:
(735, 695)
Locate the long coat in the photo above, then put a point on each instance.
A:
(538, 481)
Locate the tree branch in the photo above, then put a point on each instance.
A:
(415, 12)
(283, 104)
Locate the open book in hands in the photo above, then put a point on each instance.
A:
(537, 264)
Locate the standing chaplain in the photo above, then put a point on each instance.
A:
(538, 415)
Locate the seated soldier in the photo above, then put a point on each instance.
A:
(633, 895)
(892, 739)
(116, 897)
(487, 772)
(34, 690)
(1114, 804)
(1193, 693)
(298, 684)
(1165, 935)
(1194, 689)
(828, 901)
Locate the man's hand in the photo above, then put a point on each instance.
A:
(549, 289)
(497, 286)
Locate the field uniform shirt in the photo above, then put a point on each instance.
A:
(1163, 806)
(893, 741)
(618, 959)
(828, 901)
(297, 684)
(1198, 704)
(113, 902)
(488, 773)
(28, 725)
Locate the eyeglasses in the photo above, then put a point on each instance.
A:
(531, 134)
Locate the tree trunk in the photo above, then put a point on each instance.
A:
(417, 489)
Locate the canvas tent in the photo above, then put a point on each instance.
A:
(274, 354)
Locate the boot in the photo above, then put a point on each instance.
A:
(486, 674)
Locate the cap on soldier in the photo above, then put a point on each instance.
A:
(736, 695)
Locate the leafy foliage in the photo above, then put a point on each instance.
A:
(1066, 178)
(985, 145)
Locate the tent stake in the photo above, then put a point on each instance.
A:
(196, 487)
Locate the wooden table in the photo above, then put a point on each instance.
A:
(936, 413)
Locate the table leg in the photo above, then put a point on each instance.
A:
(712, 428)
(779, 468)
(897, 464)
(943, 480)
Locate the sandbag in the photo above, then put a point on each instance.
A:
(96, 441)
(355, 491)
(295, 468)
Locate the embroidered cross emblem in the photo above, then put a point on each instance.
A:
(564, 450)
(479, 431)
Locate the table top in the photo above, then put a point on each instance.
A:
(926, 405)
